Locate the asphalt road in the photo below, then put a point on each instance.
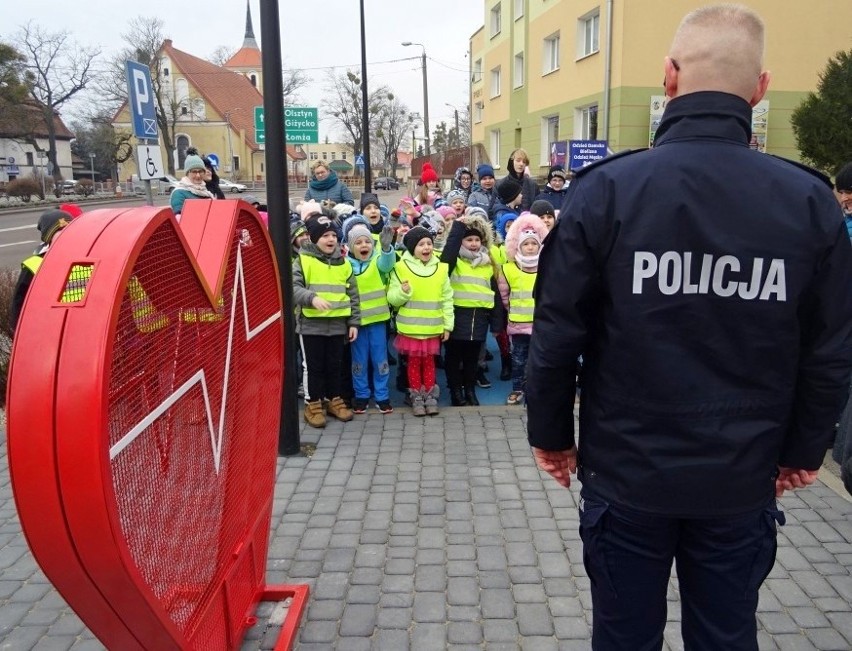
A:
(19, 235)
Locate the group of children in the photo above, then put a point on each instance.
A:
(439, 271)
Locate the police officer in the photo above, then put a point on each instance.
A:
(707, 287)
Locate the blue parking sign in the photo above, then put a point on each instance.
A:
(141, 101)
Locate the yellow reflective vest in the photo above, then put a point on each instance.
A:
(328, 281)
(521, 283)
(421, 315)
(373, 295)
(498, 253)
(472, 285)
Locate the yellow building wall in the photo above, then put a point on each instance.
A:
(800, 38)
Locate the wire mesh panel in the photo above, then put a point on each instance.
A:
(143, 408)
(192, 437)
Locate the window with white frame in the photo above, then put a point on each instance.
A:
(549, 135)
(477, 112)
(496, 20)
(495, 81)
(314, 155)
(518, 77)
(494, 137)
(550, 54)
(343, 155)
(588, 34)
(476, 73)
(519, 9)
(586, 123)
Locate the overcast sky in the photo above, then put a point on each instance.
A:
(315, 36)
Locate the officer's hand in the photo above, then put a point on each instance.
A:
(560, 464)
(791, 478)
(353, 333)
(320, 303)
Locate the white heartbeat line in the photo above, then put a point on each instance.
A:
(200, 378)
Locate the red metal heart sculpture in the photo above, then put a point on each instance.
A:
(143, 412)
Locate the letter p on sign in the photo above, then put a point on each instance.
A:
(140, 84)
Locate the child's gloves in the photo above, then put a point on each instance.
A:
(387, 237)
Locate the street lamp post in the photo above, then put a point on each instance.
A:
(425, 96)
(92, 159)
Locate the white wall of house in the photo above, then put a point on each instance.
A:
(22, 156)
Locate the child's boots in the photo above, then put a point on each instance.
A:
(418, 401)
(338, 409)
(314, 414)
(431, 401)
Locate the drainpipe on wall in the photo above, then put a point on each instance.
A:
(607, 71)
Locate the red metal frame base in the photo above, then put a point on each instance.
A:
(290, 627)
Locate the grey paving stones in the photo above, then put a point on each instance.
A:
(442, 534)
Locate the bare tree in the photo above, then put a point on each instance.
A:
(293, 81)
(97, 136)
(394, 123)
(221, 55)
(60, 69)
(344, 104)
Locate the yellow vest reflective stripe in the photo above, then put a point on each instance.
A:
(372, 294)
(521, 283)
(472, 285)
(75, 284)
(329, 281)
(498, 253)
(145, 315)
(422, 315)
(33, 263)
(204, 314)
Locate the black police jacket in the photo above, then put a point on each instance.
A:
(707, 287)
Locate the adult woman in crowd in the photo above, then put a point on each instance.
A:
(518, 168)
(192, 185)
(324, 184)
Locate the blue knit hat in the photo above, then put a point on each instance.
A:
(484, 170)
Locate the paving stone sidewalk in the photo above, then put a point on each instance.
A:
(440, 533)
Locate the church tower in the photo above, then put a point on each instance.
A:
(246, 60)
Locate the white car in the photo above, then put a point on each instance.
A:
(229, 186)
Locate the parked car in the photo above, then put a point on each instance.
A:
(229, 186)
(70, 186)
(386, 183)
(162, 185)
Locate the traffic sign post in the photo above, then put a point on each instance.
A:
(301, 125)
(143, 111)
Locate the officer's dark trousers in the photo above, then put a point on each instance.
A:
(721, 563)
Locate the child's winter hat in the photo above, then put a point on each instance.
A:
(428, 173)
(557, 170)
(319, 225)
(72, 209)
(51, 222)
(484, 170)
(385, 211)
(412, 238)
(542, 207)
(193, 162)
(353, 222)
(297, 229)
(528, 234)
(358, 230)
(343, 210)
(452, 195)
(309, 208)
(445, 211)
(843, 181)
(369, 198)
(476, 211)
(508, 190)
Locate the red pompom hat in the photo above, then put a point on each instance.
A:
(428, 173)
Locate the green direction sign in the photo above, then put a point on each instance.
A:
(301, 124)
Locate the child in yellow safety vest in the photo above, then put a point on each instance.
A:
(472, 273)
(371, 268)
(516, 282)
(324, 289)
(420, 288)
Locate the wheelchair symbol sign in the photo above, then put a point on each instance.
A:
(150, 162)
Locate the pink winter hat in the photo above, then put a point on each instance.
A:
(309, 208)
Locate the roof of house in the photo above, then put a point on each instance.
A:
(223, 89)
(26, 119)
(296, 154)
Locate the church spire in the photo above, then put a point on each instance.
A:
(249, 40)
